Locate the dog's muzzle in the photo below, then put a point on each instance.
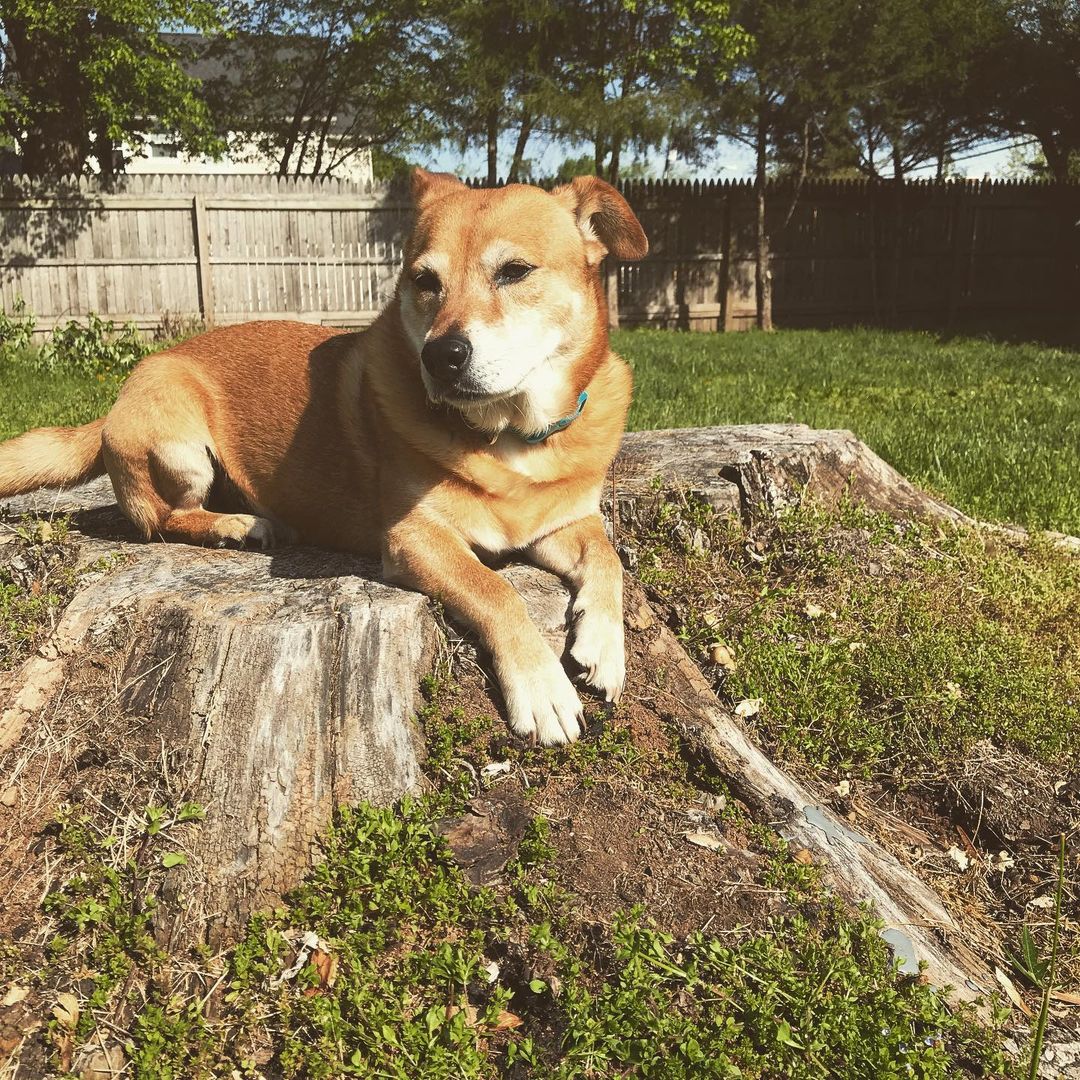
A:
(445, 357)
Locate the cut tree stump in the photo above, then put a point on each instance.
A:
(271, 688)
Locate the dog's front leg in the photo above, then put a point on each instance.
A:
(582, 555)
(541, 702)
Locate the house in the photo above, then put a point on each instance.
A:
(222, 64)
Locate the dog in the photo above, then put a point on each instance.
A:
(475, 418)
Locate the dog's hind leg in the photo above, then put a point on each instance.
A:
(162, 486)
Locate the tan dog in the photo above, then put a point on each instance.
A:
(454, 425)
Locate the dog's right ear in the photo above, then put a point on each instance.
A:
(430, 185)
(605, 219)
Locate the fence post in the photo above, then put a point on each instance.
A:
(611, 275)
(725, 266)
(203, 277)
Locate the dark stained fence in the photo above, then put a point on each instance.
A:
(856, 252)
(226, 249)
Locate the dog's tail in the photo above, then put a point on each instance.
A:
(51, 457)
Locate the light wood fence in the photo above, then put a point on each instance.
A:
(228, 248)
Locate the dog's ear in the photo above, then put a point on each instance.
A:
(430, 185)
(604, 218)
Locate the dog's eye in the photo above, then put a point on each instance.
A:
(510, 272)
(427, 281)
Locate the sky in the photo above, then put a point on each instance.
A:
(732, 161)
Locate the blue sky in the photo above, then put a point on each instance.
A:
(732, 160)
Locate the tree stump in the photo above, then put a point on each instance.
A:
(271, 688)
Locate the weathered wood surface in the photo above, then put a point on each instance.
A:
(330, 250)
(272, 687)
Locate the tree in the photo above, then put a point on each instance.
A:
(1030, 78)
(79, 80)
(783, 80)
(315, 83)
(629, 70)
(910, 82)
(503, 67)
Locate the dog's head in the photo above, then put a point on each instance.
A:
(500, 294)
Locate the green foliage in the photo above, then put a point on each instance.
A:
(99, 349)
(314, 84)
(16, 329)
(104, 906)
(82, 79)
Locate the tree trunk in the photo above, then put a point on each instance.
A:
(323, 133)
(524, 131)
(492, 146)
(762, 274)
(599, 153)
(1057, 157)
(55, 137)
(898, 235)
(613, 164)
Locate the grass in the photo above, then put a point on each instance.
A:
(875, 647)
(993, 427)
(32, 398)
(401, 981)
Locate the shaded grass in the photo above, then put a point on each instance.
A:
(993, 427)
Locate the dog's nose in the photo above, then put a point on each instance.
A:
(445, 356)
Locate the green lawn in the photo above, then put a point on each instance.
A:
(992, 427)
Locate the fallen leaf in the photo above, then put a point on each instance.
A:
(843, 789)
(507, 1021)
(495, 768)
(66, 1011)
(325, 965)
(708, 840)
(1002, 861)
(65, 1049)
(1066, 997)
(722, 656)
(813, 611)
(102, 1064)
(1011, 992)
(748, 707)
(804, 857)
(14, 995)
(1043, 902)
(959, 857)
(9, 796)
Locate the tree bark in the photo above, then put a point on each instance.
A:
(492, 146)
(762, 274)
(524, 131)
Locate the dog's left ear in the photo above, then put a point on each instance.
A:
(430, 185)
(604, 218)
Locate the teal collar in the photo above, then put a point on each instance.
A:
(559, 425)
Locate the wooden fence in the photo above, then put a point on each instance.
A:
(229, 248)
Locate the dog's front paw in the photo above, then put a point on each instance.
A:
(541, 703)
(600, 651)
